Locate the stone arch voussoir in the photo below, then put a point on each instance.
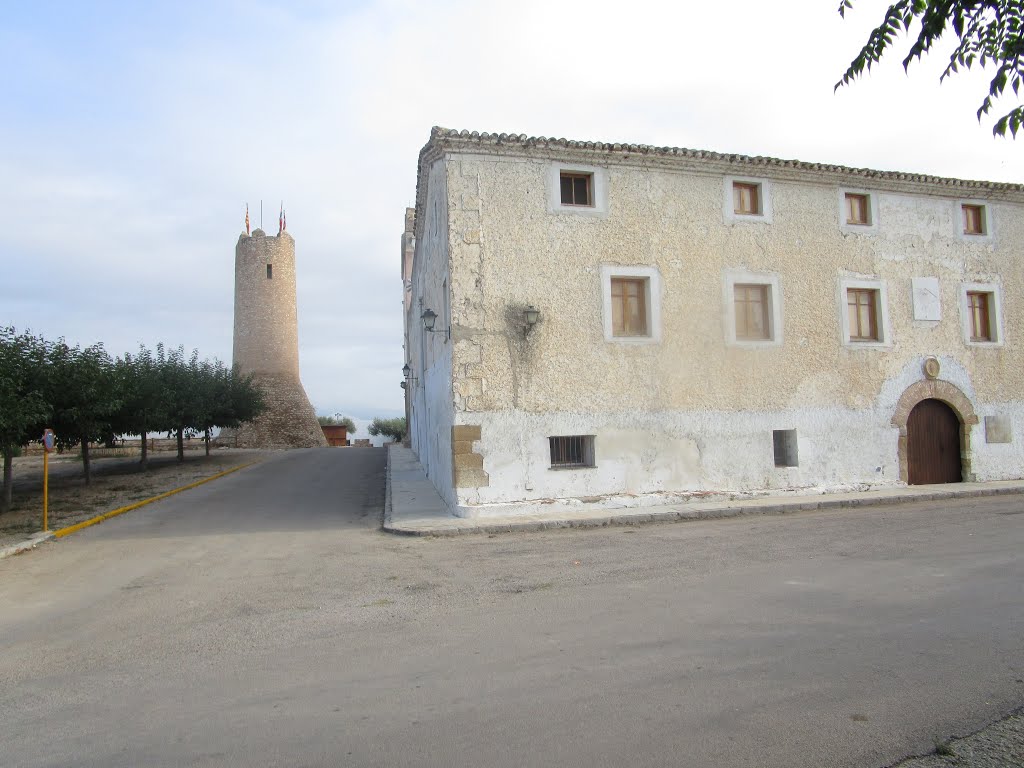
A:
(952, 396)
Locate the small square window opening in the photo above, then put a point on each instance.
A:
(784, 443)
(858, 209)
(979, 306)
(974, 219)
(571, 451)
(746, 198)
(752, 312)
(629, 306)
(862, 306)
(577, 189)
(270, 271)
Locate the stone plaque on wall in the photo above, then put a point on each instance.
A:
(998, 429)
(926, 298)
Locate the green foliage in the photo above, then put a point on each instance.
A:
(86, 397)
(23, 405)
(338, 420)
(988, 32)
(393, 428)
(80, 388)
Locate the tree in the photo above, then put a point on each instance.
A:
(393, 428)
(80, 387)
(137, 379)
(180, 399)
(338, 420)
(229, 398)
(988, 32)
(23, 406)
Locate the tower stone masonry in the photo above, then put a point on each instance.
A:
(266, 344)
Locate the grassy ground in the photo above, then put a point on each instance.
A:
(116, 481)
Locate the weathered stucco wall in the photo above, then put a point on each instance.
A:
(693, 411)
(430, 354)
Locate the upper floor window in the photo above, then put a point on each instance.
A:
(577, 188)
(865, 317)
(974, 219)
(862, 305)
(858, 209)
(751, 309)
(631, 299)
(982, 314)
(746, 198)
(629, 306)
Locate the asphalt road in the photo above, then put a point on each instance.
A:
(265, 620)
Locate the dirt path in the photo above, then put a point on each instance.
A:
(115, 483)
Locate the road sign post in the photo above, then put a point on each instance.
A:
(48, 443)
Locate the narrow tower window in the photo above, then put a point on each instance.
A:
(270, 271)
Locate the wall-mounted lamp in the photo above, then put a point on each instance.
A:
(429, 318)
(407, 374)
(531, 314)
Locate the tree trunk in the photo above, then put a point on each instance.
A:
(5, 499)
(207, 439)
(181, 444)
(144, 461)
(85, 460)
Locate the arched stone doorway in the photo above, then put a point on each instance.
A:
(929, 417)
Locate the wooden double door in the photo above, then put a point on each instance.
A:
(933, 444)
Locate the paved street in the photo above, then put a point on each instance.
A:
(264, 619)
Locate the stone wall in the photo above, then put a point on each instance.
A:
(266, 344)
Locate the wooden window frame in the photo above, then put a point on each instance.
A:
(864, 200)
(619, 306)
(873, 300)
(979, 219)
(764, 291)
(651, 278)
(571, 452)
(755, 190)
(573, 177)
(979, 314)
(991, 312)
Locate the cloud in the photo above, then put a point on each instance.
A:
(136, 137)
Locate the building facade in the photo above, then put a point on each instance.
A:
(625, 324)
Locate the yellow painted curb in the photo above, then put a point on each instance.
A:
(121, 510)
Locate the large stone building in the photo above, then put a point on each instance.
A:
(623, 324)
(266, 344)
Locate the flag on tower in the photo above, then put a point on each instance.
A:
(280, 219)
(284, 220)
(247, 218)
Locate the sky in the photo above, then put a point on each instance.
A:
(132, 135)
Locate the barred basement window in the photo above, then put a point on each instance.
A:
(784, 442)
(572, 451)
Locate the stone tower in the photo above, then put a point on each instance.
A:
(266, 344)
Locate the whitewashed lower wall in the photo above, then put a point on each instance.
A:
(652, 458)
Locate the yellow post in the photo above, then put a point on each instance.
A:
(46, 487)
